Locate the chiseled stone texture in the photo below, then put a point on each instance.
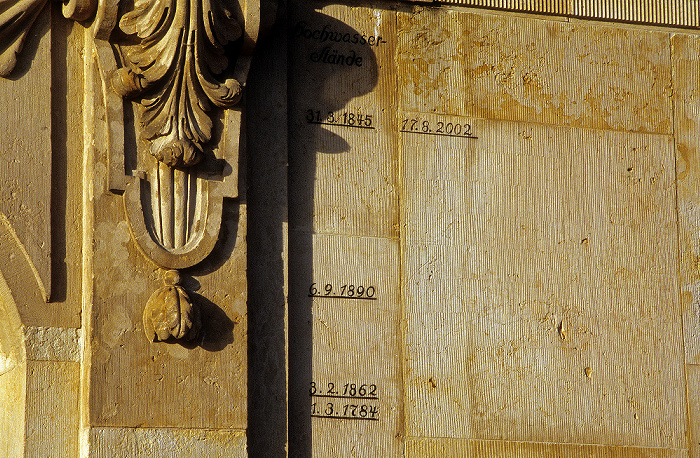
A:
(197, 385)
(686, 71)
(52, 344)
(674, 13)
(344, 208)
(52, 413)
(25, 136)
(540, 288)
(686, 68)
(540, 262)
(693, 380)
(12, 409)
(162, 442)
(343, 179)
(356, 342)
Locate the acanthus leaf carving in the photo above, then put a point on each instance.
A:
(178, 67)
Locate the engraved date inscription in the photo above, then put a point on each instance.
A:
(345, 119)
(344, 291)
(337, 404)
(345, 411)
(349, 390)
(442, 127)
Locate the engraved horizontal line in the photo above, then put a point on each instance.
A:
(346, 297)
(340, 396)
(345, 418)
(342, 125)
(438, 134)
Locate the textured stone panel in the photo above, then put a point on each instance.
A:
(13, 380)
(52, 409)
(683, 13)
(150, 442)
(538, 224)
(431, 61)
(52, 344)
(693, 380)
(356, 347)
(345, 376)
(451, 448)
(540, 287)
(533, 6)
(524, 69)
(201, 384)
(25, 162)
(686, 69)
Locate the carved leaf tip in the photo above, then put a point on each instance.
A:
(170, 312)
(79, 10)
(228, 94)
(16, 19)
(7, 64)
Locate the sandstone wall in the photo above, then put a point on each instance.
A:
(518, 192)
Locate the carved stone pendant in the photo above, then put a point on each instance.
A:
(170, 313)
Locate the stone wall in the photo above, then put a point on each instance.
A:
(518, 192)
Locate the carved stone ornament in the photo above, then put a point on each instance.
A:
(170, 312)
(177, 65)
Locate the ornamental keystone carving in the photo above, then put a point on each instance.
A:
(176, 64)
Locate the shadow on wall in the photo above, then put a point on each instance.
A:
(330, 64)
(266, 158)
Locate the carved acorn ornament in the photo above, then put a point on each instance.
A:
(170, 312)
